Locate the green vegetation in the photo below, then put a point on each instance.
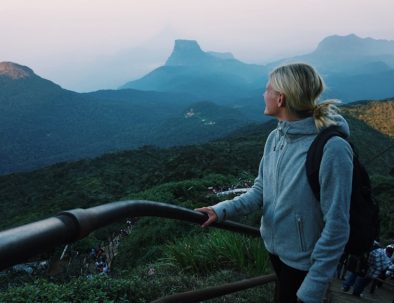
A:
(183, 256)
(139, 287)
(195, 253)
(383, 192)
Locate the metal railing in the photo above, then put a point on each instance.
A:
(21, 243)
(216, 291)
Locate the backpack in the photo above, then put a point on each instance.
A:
(364, 211)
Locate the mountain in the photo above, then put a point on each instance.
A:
(354, 48)
(20, 82)
(189, 69)
(44, 124)
(354, 69)
(188, 52)
(349, 54)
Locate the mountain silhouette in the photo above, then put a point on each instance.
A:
(188, 52)
(352, 45)
(354, 68)
(352, 55)
(208, 75)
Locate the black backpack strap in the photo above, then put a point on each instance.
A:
(315, 155)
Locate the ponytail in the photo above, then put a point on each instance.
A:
(322, 112)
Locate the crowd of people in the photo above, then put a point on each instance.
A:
(100, 260)
(98, 254)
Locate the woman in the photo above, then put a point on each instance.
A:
(304, 237)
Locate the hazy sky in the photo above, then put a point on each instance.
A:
(86, 45)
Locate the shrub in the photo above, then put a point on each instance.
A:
(217, 250)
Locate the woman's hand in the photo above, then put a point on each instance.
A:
(212, 217)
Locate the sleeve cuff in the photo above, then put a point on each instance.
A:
(312, 291)
(220, 211)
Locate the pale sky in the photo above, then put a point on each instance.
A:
(86, 45)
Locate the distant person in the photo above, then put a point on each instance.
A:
(305, 237)
(378, 263)
(356, 268)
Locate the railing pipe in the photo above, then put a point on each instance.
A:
(20, 243)
(216, 291)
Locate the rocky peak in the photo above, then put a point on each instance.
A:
(15, 71)
(186, 52)
(188, 46)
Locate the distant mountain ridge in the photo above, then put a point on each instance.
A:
(348, 63)
(352, 45)
(352, 55)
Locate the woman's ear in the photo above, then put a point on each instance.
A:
(281, 100)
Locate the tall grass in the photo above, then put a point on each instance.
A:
(217, 250)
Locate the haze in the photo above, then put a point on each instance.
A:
(89, 45)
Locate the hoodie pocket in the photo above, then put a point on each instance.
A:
(300, 230)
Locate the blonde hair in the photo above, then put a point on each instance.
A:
(302, 86)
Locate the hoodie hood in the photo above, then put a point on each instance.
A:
(307, 126)
(289, 131)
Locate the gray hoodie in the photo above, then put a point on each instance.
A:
(306, 234)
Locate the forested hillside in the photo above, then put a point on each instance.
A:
(377, 114)
(114, 176)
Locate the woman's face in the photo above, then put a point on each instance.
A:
(271, 98)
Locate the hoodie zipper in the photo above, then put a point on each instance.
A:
(281, 148)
